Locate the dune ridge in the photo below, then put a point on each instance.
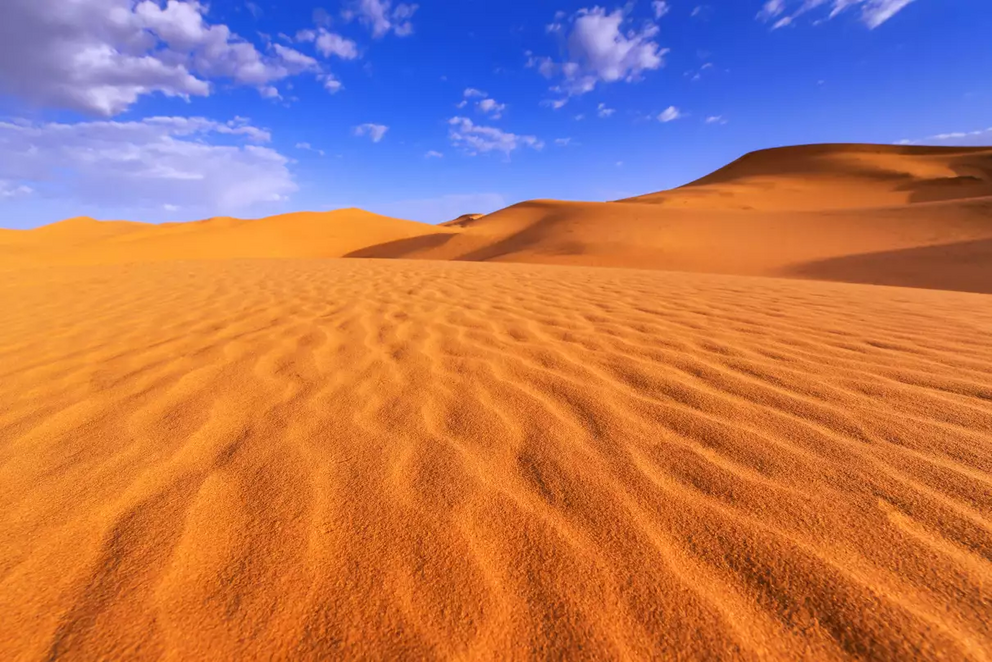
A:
(825, 212)
(83, 241)
(365, 459)
(854, 213)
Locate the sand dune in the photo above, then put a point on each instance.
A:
(817, 177)
(355, 459)
(84, 241)
(784, 212)
(836, 212)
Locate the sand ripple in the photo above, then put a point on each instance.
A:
(360, 459)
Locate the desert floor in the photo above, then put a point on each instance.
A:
(372, 459)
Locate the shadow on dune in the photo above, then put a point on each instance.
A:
(402, 247)
(962, 266)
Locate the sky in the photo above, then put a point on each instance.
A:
(177, 110)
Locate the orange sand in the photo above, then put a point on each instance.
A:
(208, 457)
(857, 213)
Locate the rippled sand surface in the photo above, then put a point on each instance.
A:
(356, 459)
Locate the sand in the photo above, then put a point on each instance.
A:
(356, 459)
(883, 215)
(85, 241)
(225, 440)
(907, 216)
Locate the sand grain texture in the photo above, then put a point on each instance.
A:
(361, 459)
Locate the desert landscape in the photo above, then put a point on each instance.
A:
(748, 419)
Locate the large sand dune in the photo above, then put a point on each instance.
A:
(349, 459)
(808, 212)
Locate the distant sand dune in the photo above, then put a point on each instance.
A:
(806, 212)
(356, 459)
(785, 212)
(298, 235)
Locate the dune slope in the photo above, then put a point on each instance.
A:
(356, 459)
(298, 235)
(855, 213)
(818, 177)
(808, 212)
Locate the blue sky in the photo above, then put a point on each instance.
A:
(160, 111)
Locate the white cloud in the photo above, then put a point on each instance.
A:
(101, 56)
(603, 111)
(329, 43)
(601, 50)
(11, 190)
(187, 162)
(544, 65)
(374, 131)
(381, 18)
(716, 119)
(670, 114)
(492, 108)
(296, 59)
(475, 139)
(433, 155)
(874, 13)
(331, 84)
(563, 142)
(660, 8)
(771, 9)
(979, 138)
(309, 148)
(485, 105)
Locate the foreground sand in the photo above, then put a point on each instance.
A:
(356, 459)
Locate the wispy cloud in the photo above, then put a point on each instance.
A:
(149, 163)
(376, 132)
(381, 17)
(978, 138)
(670, 114)
(873, 13)
(474, 139)
(307, 147)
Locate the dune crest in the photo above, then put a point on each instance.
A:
(835, 212)
(805, 212)
(820, 177)
(296, 235)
